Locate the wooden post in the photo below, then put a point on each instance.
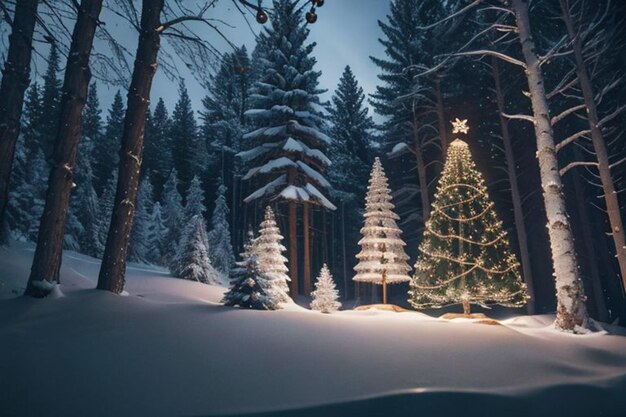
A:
(384, 286)
(293, 248)
(307, 249)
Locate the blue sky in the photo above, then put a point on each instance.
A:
(346, 33)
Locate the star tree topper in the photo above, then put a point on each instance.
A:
(459, 126)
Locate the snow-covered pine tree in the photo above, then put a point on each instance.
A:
(157, 157)
(105, 210)
(172, 216)
(105, 151)
(84, 200)
(184, 138)
(220, 247)
(269, 252)
(249, 289)
(157, 232)
(194, 204)
(285, 151)
(192, 261)
(382, 259)
(139, 241)
(325, 297)
(465, 256)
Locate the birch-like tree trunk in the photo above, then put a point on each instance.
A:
(49, 250)
(597, 138)
(441, 118)
(571, 314)
(421, 170)
(113, 266)
(518, 212)
(15, 80)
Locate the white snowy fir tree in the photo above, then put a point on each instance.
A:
(192, 260)
(326, 296)
(221, 249)
(269, 252)
(382, 259)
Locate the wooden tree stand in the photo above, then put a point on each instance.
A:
(383, 307)
(479, 317)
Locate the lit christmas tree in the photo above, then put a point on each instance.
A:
(325, 295)
(382, 259)
(249, 288)
(269, 253)
(464, 255)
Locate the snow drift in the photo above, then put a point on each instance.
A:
(170, 349)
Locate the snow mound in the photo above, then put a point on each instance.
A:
(170, 348)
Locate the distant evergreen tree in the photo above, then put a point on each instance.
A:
(194, 205)
(184, 137)
(139, 241)
(105, 151)
(32, 119)
(50, 103)
(105, 210)
(27, 199)
(172, 215)
(192, 261)
(223, 111)
(157, 156)
(157, 232)
(220, 246)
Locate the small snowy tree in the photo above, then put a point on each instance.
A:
(192, 261)
(249, 289)
(382, 259)
(172, 215)
(156, 236)
(194, 205)
(221, 249)
(325, 295)
(269, 252)
(138, 249)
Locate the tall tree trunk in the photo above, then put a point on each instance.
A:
(344, 259)
(597, 138)
(518, 211)
(441, 118)
(49, 250)
(113, 267)
(307, 248)
(15, 80)
(421, 172)
(571, 311)
(293, 248)
(585, 228)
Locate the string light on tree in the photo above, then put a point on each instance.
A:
(464, 257)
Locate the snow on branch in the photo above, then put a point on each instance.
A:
(614, 164)
(572, 138)
(566, 113)
(526, 117)
(576, 164)
(488, 52)
(611, 116)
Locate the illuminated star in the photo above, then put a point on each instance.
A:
(459, 126)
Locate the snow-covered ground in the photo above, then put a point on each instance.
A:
(170, 349)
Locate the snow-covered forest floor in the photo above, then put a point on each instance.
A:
(169, 348)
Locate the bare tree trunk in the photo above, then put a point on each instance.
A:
(518, 211)
(597, 138)
(344, 258)
(15, 80)
(571, 312)
(307, 248)
(421, 172)
(293, 248)
(441, 118)
(113, 267)
(49, 250)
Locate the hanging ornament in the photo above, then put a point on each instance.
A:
(261, 16)
(311, 16)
